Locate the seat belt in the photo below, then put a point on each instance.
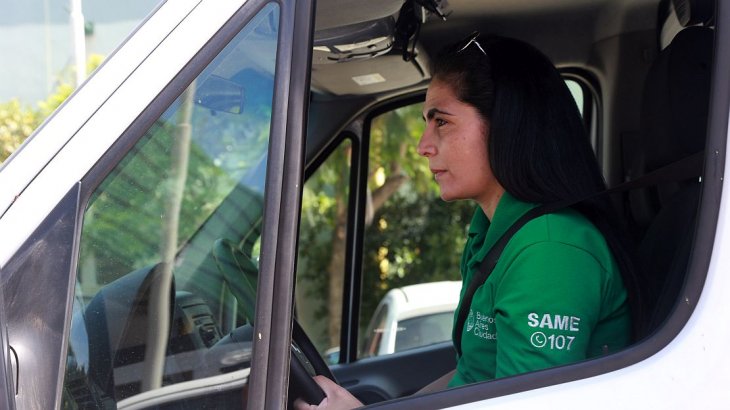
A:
(681, 170)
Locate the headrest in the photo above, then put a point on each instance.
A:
(693, 12)
(676, 98)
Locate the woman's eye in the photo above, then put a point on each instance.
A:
(440, 122)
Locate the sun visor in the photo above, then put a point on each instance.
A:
(384, 73)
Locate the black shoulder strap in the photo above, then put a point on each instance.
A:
(487, 266)
(685, 168)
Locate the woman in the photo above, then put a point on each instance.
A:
(503, 130)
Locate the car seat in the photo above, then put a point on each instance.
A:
(116, 323)
(673, 127)
(239, 274)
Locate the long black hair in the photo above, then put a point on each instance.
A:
(538, 147)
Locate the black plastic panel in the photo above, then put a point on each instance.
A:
(37, 284)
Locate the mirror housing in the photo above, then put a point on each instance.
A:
(220, 94)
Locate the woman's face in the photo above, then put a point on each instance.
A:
(455, 143)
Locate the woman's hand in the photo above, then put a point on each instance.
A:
(336, 398)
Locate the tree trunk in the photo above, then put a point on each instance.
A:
(336, 267)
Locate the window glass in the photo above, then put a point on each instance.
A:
(586, 104)
(423, 330)
(166, 275)
(577, 91)
(412, 236)
(373, 337)
(322, 241)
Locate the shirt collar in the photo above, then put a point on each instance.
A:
(483, 233)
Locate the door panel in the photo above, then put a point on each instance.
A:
(8, 366)
(35, 285)
(396, 375)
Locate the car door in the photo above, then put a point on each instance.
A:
(117, 254)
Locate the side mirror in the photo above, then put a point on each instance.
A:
(220, 94)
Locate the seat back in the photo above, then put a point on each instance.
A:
(240, 274)
(673, 127)
(116, 321)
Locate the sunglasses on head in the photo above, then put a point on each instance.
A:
(467, 41)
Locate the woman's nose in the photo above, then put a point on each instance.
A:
(425, 146)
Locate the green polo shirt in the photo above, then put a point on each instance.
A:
(555, 296)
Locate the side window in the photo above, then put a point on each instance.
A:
(321, 259)
(585, 100)
(576, 90)
(375, 331)
(412, 245)
(167, 278)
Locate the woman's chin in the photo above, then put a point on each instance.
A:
(447, 197)
(451, 196)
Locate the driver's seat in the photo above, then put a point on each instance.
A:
(674, 121)
(240, 274)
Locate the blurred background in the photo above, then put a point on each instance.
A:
(48, 47)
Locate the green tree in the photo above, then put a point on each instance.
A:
(415, 236)
(17, 122)
(127, 213)
(405, 220)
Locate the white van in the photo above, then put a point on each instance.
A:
(238, 164)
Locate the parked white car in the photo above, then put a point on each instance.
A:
(412, 316)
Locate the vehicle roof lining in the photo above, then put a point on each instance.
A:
(562, 32)
(570, 41)
(338, 13)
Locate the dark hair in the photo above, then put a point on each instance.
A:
(538, 147)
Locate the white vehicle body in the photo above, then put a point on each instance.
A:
(690, 370)
(437, 300)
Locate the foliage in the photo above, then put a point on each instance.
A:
(59, 95)
(18, 121)
(125, 219)
(411, 237)
(416, 240)
(322, 240)
(415, 236)
(394, 137)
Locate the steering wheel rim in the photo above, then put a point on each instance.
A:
(304, 364)
(310, 351)
(241, 276)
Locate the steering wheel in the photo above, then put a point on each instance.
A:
(241, 275)
(305, 363)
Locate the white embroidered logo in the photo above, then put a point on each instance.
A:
(481, 325)
(555, 330)
(470, 321)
